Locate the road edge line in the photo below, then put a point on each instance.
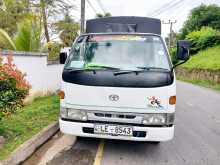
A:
(99, 153)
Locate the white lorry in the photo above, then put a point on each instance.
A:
(118, 81)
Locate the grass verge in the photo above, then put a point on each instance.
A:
(202, 83)
(206, 59)
(27, 122)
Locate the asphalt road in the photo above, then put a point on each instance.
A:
(196, 141)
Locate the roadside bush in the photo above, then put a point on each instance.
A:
(203, 38)
(53, 50)
(13, 87)
(173, 55)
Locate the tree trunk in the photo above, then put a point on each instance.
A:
(44, 15)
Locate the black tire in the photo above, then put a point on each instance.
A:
(155, 142)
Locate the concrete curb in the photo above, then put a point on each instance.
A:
(29, 147)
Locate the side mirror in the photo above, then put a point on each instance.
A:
(63, 57)
(183, 50)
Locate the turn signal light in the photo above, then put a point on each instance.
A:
(61, 94)
(172, 100)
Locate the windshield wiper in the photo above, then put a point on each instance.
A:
(102, 67)
(143, 69)
(151, 68)
(72, 70)
(91, 68)
(127, 72)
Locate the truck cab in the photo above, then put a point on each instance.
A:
(118, 81)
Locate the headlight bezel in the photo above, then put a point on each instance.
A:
(73, 114)
(167, 119)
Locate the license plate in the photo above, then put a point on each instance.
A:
(113, 130)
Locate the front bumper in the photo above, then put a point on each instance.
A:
(151, 133)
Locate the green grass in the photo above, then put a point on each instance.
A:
(27, 122)
(202, 83)
(207, 59)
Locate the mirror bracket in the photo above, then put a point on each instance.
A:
(180, 63)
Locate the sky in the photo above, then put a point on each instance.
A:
(174, 10)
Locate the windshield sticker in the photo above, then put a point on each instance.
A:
(77, 64)
(154, 102)
(156, 39)
(117, 38)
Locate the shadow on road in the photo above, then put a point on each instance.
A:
(84, 150)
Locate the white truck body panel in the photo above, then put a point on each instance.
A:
(131, 99)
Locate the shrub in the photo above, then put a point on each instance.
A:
(13, 87)
(203, 38)
(53, 50)
(173, 55)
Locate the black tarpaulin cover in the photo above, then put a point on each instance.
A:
(124, 24)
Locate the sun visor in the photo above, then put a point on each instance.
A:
(124, 24)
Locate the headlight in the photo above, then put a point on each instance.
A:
(76, 114)
(158, 119)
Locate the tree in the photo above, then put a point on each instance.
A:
(43, 14)
(68, 30)
(99, 15)
(203, 15)
(44, 17)
(5, 41)
(28, 37)
(12, 12)
(203, 38)
(50, 8)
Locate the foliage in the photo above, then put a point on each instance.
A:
(10, 97)
(53, 7)
(27, 122)
(68, 29)
(13, 87)
(207, 59)
(29, 36)
(203, 15)
(99, 15)
(23, 21)
(13, 12)
(173, 55)
(5, 41)
(50, 8)
(203, 38)
(54, 50)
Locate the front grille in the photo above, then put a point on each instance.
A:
(111, 115)
(119, 123)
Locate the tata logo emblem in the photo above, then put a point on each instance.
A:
(113, 97)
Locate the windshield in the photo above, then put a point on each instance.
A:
(126, 52)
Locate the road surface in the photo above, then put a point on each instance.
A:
(196, 141)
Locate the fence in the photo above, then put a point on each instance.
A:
(42, 76)
(199, 74)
